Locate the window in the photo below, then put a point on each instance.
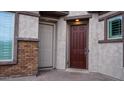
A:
(114, 27)
(7, 29)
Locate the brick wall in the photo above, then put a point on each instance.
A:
(27, 61)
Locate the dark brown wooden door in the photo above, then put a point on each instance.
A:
(78, 46)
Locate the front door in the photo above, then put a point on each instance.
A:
(46, 46)
(78, 46)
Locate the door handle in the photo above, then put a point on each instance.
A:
(86, 51)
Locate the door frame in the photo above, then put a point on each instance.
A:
(54, 46)
(68, 42)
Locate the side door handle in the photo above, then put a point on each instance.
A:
(86, 51)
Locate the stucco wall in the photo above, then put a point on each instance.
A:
(76, 13)
(93, 43)
(61, 44)
(28, 26)
(106, 58)
(37, 12)
(111, 59)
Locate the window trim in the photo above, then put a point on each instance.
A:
(16, 24)
(108, 31)
(106, 28)
(106, 39)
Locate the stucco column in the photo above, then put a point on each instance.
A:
(93, 43)
(61, 44)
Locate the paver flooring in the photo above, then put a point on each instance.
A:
(62, 75)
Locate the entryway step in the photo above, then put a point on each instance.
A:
(77, 70)
(45, 68)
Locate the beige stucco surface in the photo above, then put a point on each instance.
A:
(61, 44)
(93, 43)
(111, 60)
(28, 26)
(37, 12)
(106, 58)
(77, 13)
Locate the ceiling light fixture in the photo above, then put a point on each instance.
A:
(77, 20)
